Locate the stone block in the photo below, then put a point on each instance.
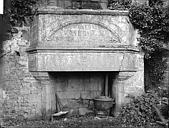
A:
(69, 94)
(86, 94)
(74, 94)
(84, 111)
(70, 103)
(61, 95)
(74, 84)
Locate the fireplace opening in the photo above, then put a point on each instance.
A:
(74, 90)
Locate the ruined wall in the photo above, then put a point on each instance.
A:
(20, 93)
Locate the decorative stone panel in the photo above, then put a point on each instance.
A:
(93, 29)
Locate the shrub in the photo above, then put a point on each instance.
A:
(140, 111)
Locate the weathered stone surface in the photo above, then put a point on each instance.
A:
(20, 93)
(88, 34)
(127, 83)
(85, 60)
(91, 30)
(84, 111)
(96, 41)
(73, 89)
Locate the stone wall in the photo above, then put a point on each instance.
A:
(20, 93)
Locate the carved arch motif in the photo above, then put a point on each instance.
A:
(84, 34)
(83, 22)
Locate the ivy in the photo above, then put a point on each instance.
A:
(20, 12)
(152, 21)
(153, 25)
(119, 5)
(156, 67)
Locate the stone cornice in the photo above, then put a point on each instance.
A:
(60, 11)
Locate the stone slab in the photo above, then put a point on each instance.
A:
(83, 61)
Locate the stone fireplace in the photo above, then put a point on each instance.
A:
(80, 54)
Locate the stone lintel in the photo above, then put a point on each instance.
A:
(60, 11)
(83, 61)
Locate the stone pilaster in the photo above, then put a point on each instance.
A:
(127, 83)
(43, 78)
(118, 89)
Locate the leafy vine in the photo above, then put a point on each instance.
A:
(152, 21)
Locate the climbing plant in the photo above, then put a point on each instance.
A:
(19, 12)
(119, 4)
(152, 21)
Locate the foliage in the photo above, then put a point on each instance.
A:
(153, 25)
(122, 5)
(140, 111)
(20, 12)
(155, 67)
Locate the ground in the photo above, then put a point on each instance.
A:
(73, 122)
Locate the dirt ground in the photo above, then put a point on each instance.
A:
(71, 122)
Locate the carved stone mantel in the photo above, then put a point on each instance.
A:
(85, 41)
(82, 40)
